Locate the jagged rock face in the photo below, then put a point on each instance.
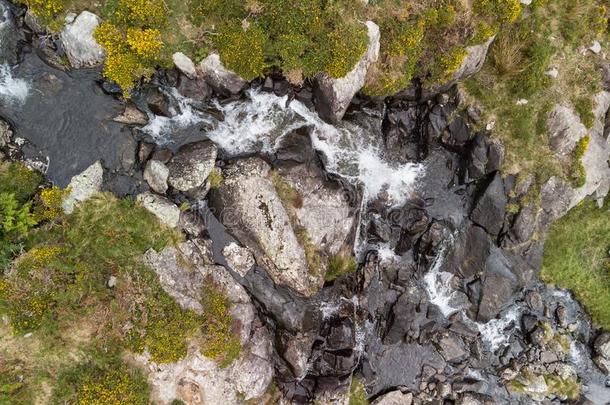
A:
(183, 271)
(80, 46)
(249, 207)
(333, 96)
(284, 234)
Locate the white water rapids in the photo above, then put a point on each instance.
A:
(257, 124)
(12, 89)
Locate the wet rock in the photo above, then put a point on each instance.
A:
(452, 349)
(534, 301)
(156, 175)
(394, 398)
(167, 212)
(6, 134)
(238, 258)
(131, 115)
(78, 42)
(184, 64)
(162, 155)
(127, 153)
(499, 285)
(195, 89)
(191, 166)
(387, 365)
(250, 208)
(183, 272)
(83, 186)
(458, 133)
(145, 149)
(158, 102)
(222, 80)
(296, 147)
(333, 96)
(490, 208)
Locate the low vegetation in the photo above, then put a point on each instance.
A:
(357, 393)
(85, 269)
(576, 258)
(517, 88)
(108, 381)
(340, 265)
(302, 38)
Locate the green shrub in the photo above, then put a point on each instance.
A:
(220, 340)
(584, 109)
(357, 393)
(164, 331)
(110, 383)
(339, 265)
(18, 179)
(578, 175)
(242, 50)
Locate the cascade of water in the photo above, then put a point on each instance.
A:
(12, 89)
(259, 122)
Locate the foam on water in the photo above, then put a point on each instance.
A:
(496, 332)
(12, 89)
(183, 115)
(438, 282)
(258, 123)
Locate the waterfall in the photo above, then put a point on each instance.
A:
(257, 124)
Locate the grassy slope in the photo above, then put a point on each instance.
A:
(550, 34)
(576, 257)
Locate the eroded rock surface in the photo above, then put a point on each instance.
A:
(183, 272)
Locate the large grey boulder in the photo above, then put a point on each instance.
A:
(196, 379)
(333, 96)
(248, 205)
(238, 258)
(83, 186)
(222, 80)
(167, 212)
(80, 46)
(191, 166)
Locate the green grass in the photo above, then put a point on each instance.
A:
(516, 69)
(339, 265)
(576, 258)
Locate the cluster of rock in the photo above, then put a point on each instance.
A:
(492, 335)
